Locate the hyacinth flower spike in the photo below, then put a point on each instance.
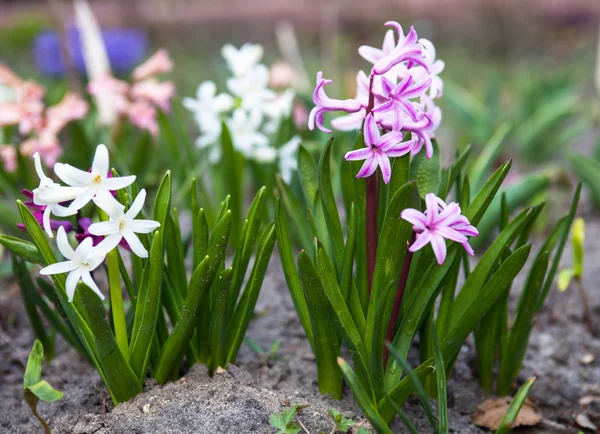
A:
(122, 224)
(50, 195)
(378, 149)
(325, 104)
(440, 222)
(94, 182)
(79, 264)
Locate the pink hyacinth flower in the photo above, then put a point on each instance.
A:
(157, 92)
(406, 50)
(8, 156)
(46, 144)
(143, 115)
(71, 107)
(440, 222)
(159, 63)
(378, 150)
(325, 104)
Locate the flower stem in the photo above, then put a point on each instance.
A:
(116, 303)
(586, 306)
(371, 221)
(389, 337)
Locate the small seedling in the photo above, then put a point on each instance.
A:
(284, 421)
(268, 355)
(342, 424)
(36, 389)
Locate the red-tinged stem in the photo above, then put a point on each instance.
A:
(389, 337)
(372, 206)
(371, 220)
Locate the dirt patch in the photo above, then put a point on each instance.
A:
(242, 399)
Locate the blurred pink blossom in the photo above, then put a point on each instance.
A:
(143, 115)
(159, 63)
(8, 155)
(157, 92)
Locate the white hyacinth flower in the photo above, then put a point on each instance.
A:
(242, 60)
(94, 182)
(122, 224)
(252, 88)
(207, 107)
(80, 263)
(288, 161)
(244, 127)
(50, 194)
(278, 109)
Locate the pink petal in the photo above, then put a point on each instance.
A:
(384, 164)
(438, 244)
(371, 131)
(422, 240)
(359, 154)
(415, 218)
(368, 168)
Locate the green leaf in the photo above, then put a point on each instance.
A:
(147, 309)
(353, 337)
(426, 171)
(513, 411)
(36, 389)
(561, 245)
(173, 350)
(218, 322)
(245, 248)
(417, 384)
(296, 214)
(162, 204)
(22, 249)
(29, 294)
(517, 195)
(308, 174)
(245, 308)
(363, 398)
(514, 352)
(121, 378)
(330, 211)
(286, 256)
(327, 343)
(402, 390)
(482, 201)
(440, 376)
(466, 318)
(175, 256)
(232, 166)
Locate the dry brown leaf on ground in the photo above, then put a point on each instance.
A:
(490, 412)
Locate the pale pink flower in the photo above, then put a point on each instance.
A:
(440, 222)
(159, 93)
(46, 144)
(378, 150)
(282, 75)
(142, 114)
(8, 155)
(117, 89)
(159, 63)
(398, 97)
(71, 107)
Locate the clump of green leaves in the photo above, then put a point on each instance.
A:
(34, 388)
(330, 286)
(209, 309)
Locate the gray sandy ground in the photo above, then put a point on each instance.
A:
(241, 399)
